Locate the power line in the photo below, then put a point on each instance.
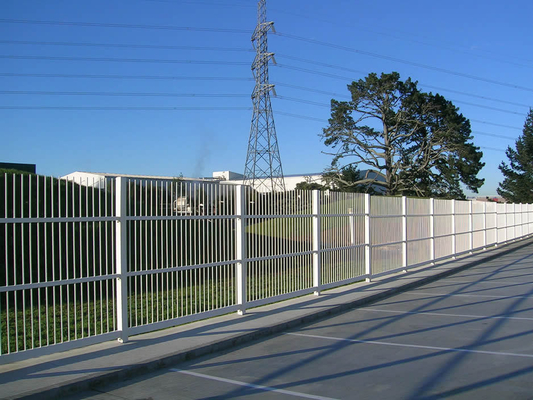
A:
(125, 46)
(127, 26)
(357, 71)
(493, 135)
(307, 89)
(143, 94)
(218, 3)
(105, 108)
(126, 60)
(322, 64)
(115, 45)
(475, 95)
(120, 94)
(299, 116)
(457, 101)
(402, 61)
(492, 148)
(313, 72)
(387, 34)
(314, 103)
(489, 108)
(147, 77)
(493, 124)
(215, 78)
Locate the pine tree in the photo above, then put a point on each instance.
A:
(517, 186)
(413, 143)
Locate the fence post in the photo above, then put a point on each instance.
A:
(432, 230)
(241, 254)
(368, 241)
(317, 256)
(485, 225)
(506, 222)
(454, 249)
(497, 223)
(121, 237)
(471, 226)
(404, 233)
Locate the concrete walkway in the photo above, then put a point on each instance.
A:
(60, 374)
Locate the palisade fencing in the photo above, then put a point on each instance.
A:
(84, 263)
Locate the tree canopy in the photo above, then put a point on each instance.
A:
(517, 185)
(341, 181)
(413, 143)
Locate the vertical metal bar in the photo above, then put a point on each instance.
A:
(368, 244)
(121, 261)
(453, 229)
(496, 224)
(432, 230)
(470, 226)
(317, 255)
(24, 331)
(404, 233)
(241, 255)
(484, 225)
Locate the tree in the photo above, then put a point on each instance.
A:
(517, 186)
(309, 186)
(343, 181)
(415, 143)
(347, 179)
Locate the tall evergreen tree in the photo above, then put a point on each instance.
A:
(517, 186)
(412, 143)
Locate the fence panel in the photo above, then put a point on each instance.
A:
(58, 262)
(501, 213)
(443, 228)
(491, 220)
(84, 262)
(342, 236)
(479, 236)
(279, 243)
(462, 226)
(419, 234)
(181, 249)
(386, 227)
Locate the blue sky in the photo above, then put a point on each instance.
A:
(477, 54)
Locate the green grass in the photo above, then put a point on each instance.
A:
(42, 325)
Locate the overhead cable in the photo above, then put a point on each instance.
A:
(402, 61)
(125, 45)
(148, 77)
(127, 60)
(127, 26)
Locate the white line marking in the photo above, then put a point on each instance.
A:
(447, 315)
(466, 295)
(487, 282)
(251, 385)
(415, 346)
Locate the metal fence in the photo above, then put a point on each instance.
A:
(86, 263)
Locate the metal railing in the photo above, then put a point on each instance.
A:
(83, 263)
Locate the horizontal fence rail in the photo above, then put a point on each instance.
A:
(85, 262)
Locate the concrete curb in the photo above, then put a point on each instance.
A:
(157, 363)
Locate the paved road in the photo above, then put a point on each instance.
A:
(469, 336)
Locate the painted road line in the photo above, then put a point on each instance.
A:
(447, 315)
(466, 295)
(414, 346)
(251, 385)
(487, 282)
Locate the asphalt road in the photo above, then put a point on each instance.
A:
(469, 336)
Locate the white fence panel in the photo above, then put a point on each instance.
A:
(386, 226)
(85, 262)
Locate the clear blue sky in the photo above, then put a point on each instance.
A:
(477, 54)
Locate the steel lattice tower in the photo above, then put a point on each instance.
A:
(263, 169)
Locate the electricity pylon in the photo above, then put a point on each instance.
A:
(263, 170)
